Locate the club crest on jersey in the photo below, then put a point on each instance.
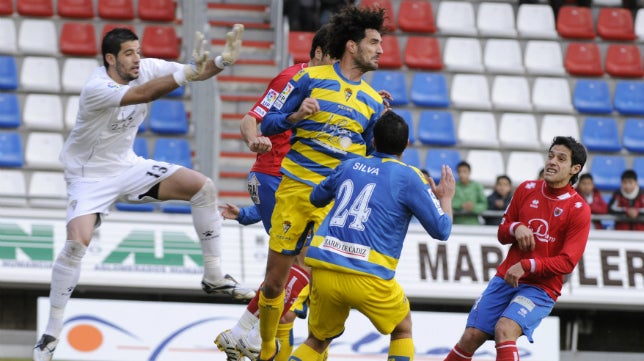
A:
(347, 94)
(286, 226)
(558, 211)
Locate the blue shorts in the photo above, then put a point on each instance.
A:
(262, 188)
(526, 305)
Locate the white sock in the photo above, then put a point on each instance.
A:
(244, 325)
(64, 277)
(207, 222)
(254, 338)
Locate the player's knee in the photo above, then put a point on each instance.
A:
(507, 329)
(72, 252)
(206, 196)
(472, 339)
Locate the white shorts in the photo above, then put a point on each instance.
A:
(96, 195)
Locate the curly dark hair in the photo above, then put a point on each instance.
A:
(350, 24)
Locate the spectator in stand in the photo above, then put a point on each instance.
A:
(302, 14)
(592, 196)
(469, 201)
(499, 199)
(628, 202)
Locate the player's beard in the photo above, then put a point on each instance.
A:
(122, 72)
(364, 65)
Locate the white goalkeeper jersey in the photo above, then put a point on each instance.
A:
(101, 142)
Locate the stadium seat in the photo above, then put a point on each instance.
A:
(463, 55)
(615, 24)
(394, 82)
(456, 18)
(624, 60)
(629, 97)
(47, 189)
(40, 74)
(11, 150)
(116, 9)
(592, 97)
(161, 42)
(409, 119)
(639, 26)
(470, 91)
(6, 7)
(157, 10)
(42, 150)
(177, 93)
(43, 112)
(141, 147)
(536, 21)
(607, 171)
(135, 207)
(390, 58)
(638, 167)
(173, 150)
(633, 136)
(429, 90)
(496, 19)
(486, 166)
(390, 15)
(71, 110)
(518, 131)
(76, 72)
(168, 117)
(437, 157)
(36, 8)
(37, 37)
(544, 58)
(8, 73)
(503, 56)
(584, 59)
(554, 125)
(436, 128)
(511, 93)
(523, 165)
(9, 110)
(601, 135)
(411, 157)
(551, 95)
(299, 45)
(78, 39)
(575, 22)
(416, 16)
(423, 52)
(8, 43)
(108, 27)
(176, 207)
(13, 189)
(79, 9)
(477, 129)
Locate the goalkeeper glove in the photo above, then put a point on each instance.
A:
(232, 48)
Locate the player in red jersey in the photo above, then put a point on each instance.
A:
(546, 225)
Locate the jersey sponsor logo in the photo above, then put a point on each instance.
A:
(534, 203)
(269, 99)
(260, 111)
(253, 189)
(530, 185)
(525, 302)
(279, 103)
(113, 85)
(346, 249)
(437, 204)
(540, 229)
(578, 205)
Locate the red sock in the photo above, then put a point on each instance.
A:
(458, 355)
(507, 351)
(252, 306)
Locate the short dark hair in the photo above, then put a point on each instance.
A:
(503, 176)
(113, 39)
(350, 24)
(629, 174)
(391, 133)
(585, 176)
(577, 149)
(321, 39)
(463, 164)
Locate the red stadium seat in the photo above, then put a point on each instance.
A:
(40, 8)
(116, 9)
(108, 27)
(390, 58)
(6, 7)
(160, 42)
(299, 45)
(624, 60)
(157, 10)
(423, 52)
(575, 22)
(78, 39)
(615, 24)
(390, 23)
(583, 59)
(416, 16)
(80, 9)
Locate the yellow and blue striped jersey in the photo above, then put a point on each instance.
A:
(342, 129)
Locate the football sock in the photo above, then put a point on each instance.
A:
(270, 312)
(401, 350)
(458, 355)
(305, 352)
(207, 222)
(285, 337)
(507, 351)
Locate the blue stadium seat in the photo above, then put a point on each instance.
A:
(429, 90)
(177, 93)
(638, 167)
(629, 97)
(8, 73)
(633, 136)
(135, 207)
(141, 147)
(607, 171)
(436, 128)
(601, 135)
(592, 96)
(9, 110)
(176, 207)
(173, 150)
(411, 157)
(11, 150)
(437, 157)
(406, 114)
(394, 82)
(168, 117)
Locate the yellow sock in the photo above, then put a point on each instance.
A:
(401, 350)
(325, 355)
(270, 312)
(305, 353)
(285, 338)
